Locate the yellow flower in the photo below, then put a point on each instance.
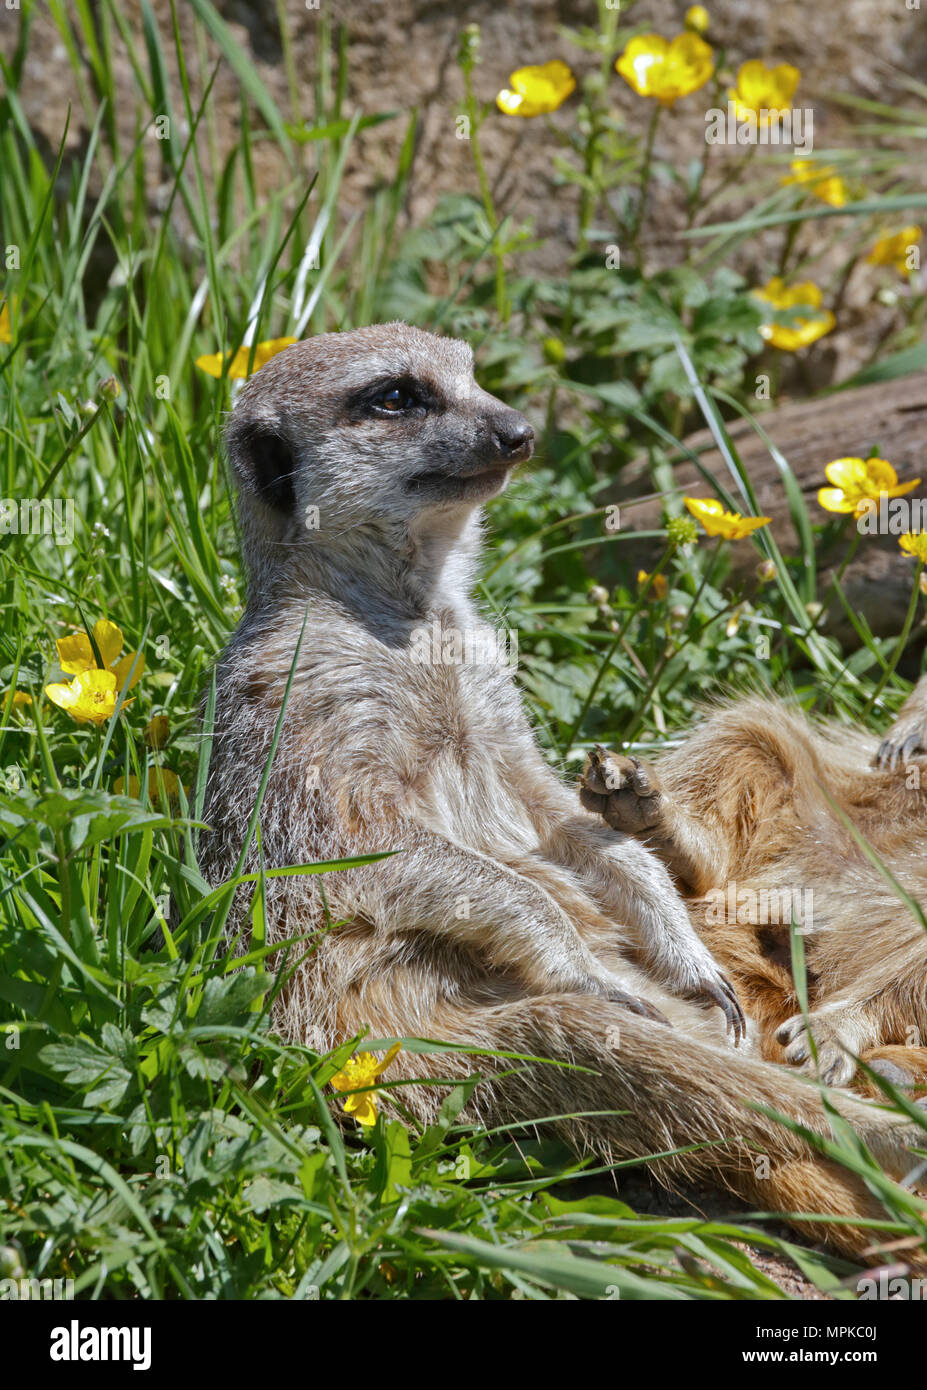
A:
(859, 481)
(157, 731)
(170, 780)
(659, 587)
(20, 700)
(893, 250)
(6, 335)
(87, 697)
(717, 522)
(915, 544)
(697, 19)
(794, 330)
(75, 653)
(212, 362)
(825, 183)
(358, 1074)
(763, 92)
(537, 90)
(666, 69)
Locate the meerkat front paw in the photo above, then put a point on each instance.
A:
(623, 790)
(717, 989)
(835, 1041)
(907, 739)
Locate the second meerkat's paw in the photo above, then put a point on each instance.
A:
(835, 1042)
(623, 790)
(906, 739)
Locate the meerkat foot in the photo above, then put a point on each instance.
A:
(902, 744)
(623, 790)
(906, 740)
(611, 988)
(635, 1005)
(834, 1039)
(720, 992)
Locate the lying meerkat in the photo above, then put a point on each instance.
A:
(752, 811)
(507, 918)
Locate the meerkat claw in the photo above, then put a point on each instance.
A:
(724, 996)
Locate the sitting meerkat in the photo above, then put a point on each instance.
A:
(757, 809)
(506, 918)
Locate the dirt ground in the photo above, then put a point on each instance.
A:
(402, 54)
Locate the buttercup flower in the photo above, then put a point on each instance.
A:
(157, 731)
(6, 335)
(156, 776)
(360, 1072)
(537, 90)
(824, 181)
(21, 699)
(857, 482)
(659, 587)
(697, 18)
(763, 92)
(717, 522)
(666, 69)
(893, 250)
(793, 330)
(212, 362)
(915, 543)
(91, 696)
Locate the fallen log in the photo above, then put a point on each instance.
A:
(890, 418)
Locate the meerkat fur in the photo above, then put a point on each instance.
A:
(506, 917)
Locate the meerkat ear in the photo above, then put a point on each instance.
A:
(264, 463)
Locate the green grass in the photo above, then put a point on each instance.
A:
(157, 1140)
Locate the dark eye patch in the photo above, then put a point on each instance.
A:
(391, 395)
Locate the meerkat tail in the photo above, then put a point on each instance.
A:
(669, 1093)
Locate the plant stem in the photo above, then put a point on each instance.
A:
(474, 116)
(645, 186)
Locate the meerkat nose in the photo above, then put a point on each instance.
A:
(513, 436)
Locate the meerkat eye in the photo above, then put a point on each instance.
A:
(394, 401)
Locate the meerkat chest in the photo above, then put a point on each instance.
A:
(468, 723)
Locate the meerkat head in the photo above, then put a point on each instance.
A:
(379, 432)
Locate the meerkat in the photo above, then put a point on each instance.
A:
(759, 808)
(506, 918)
